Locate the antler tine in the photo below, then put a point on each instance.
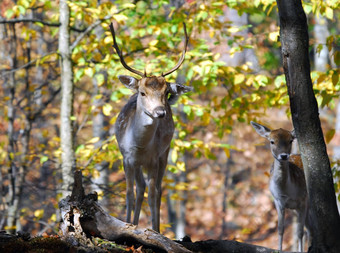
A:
(115, 45)
(182, 56)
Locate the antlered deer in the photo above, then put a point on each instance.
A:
(144, 129)
(287, 179)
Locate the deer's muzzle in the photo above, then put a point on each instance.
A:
(159, 112)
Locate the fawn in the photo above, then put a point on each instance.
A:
(287, 181)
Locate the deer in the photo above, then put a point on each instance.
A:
(287, 181)
(144, 129)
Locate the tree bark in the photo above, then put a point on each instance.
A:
(325, 219)
(68, 162)
(12, 200)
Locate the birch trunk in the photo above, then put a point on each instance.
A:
(68, 162)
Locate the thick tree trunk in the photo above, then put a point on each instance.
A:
(325, 218)
(68, 163)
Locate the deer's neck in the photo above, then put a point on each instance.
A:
(280, 172)
(144, 128)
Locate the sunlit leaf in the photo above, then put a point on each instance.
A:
(107, 108)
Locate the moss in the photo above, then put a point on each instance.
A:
(36, 245)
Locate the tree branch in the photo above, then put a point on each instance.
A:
(26, 65)
(28, 20)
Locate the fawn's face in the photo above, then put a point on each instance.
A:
(281, 143)
(280, 140)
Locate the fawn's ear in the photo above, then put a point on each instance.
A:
(260, 129)
(293, 134)
(129, 82)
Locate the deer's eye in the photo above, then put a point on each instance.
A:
(142, 93)
(272, 142)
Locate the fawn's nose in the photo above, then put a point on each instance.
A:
(284, 156)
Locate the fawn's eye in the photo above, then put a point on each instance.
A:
(272, 142)
(142, 93)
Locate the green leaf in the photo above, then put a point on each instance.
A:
(43, 159)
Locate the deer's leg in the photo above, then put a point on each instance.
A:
(162, 166)
(140, 189)
(130, 196)
(281, 215)
(301, 223)
(152, 195)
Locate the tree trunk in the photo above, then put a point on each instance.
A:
(68, 162)
(11, 112)
(324, 215)
(100, 129)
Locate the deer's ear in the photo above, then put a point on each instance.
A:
(129, 81)
(261, 130)
(178, 89)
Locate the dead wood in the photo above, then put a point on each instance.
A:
(83, 218)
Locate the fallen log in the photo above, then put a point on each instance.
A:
(83, 218)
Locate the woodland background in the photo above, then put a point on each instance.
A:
(216, 186)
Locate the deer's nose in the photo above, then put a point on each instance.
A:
(283, 156)
(159, 112)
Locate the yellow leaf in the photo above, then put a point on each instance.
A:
(329, 135)
(180, 165)
(39, 213)
(174, 155)
(120, 17)
(329, 12)
(233, 29)
(108, 40)
(206, 118)
(128, 5)
(239, 78)
(107, 108)
(273, 36)
(153, 43)
(94, 140)
(95, 174)
(53, 217)
(227, 152)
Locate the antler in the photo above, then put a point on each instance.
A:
(115, 45)
(183, 54)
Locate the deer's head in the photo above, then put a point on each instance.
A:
(153, 92)
(280, 140)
